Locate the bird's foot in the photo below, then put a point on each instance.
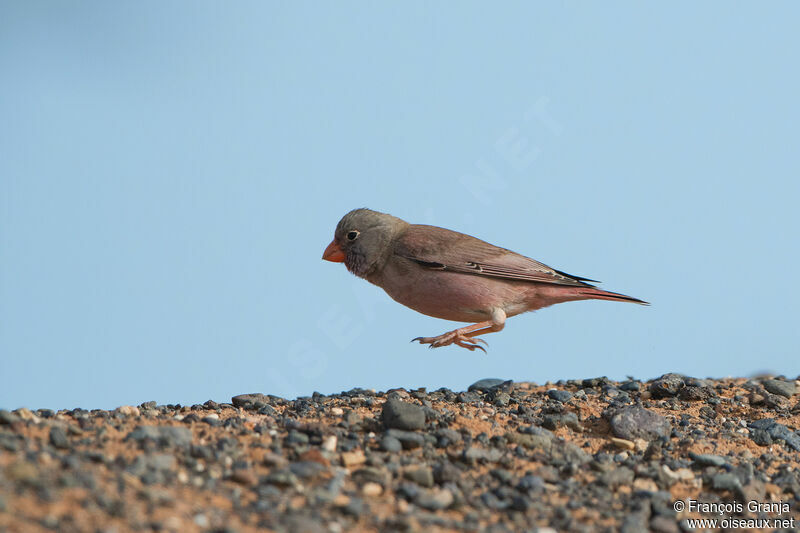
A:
(456, 337)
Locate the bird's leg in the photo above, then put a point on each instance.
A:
(464, 337)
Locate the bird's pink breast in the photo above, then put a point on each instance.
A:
(464, 297)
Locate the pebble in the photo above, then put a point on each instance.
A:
(726, 481)
(164, 435)
(475, 455)
(501, 399)
(274, 460)
(667, 385)
(402, 415)
(623, 443)
(282, 477)
(562, 396)
(663, 524)
(371, 489)
(434, 500)
(58, 438)
(556, 421)
(766, 430)
(682, 474)
(22, 472)
(787, 389)
(329, 443)
(250, 401)
(127, 410)
(7, 418)
(469, 397)
(24, 413)
(408, 439)
(421, 475)
(244, 477)
(645, 484)
(632, 423)
(447, 437)
(616, 477)
(353, 458)
(308, 469)
(391, 444)
(487, 384)
(705, 459)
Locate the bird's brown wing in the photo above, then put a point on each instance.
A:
(443, 249)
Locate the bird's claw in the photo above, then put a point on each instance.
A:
(452, 337)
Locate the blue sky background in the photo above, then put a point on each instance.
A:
(170, 173)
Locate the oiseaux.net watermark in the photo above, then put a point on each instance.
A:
(751, 514)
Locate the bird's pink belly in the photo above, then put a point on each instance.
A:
(458, 297)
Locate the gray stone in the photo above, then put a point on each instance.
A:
(502, 475)
(696, 394)
(434, 500)
(58, 438)
(667, 385)
(635, 422)
(707, 459)
(448, 436)
(635, 522)
(532, 438)
(282, 477)
(163, 435)
(254, 400)
(589, 383)
(726, 481)
(295, 438)
(156, 461)
(371, 474)
(473, 455)
(568, 453)
(617, 477)
(402, 415)
(408, 439)
(295, 523)
(469, 397)
(783, 388)
(663, 524)
(10, 442)
(531, 483)
(766, 430)
(307, 469)
(446, 472)
(562, 396)
(152, 468)
(487, 384)
(569, 420)
(630, 386)
(421, 475)
(7, 417)
(501, 399)
(391, 444)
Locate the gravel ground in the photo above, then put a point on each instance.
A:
(588, 455)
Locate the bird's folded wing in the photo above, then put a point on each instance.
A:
(443, 249)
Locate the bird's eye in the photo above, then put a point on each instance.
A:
(352, 235)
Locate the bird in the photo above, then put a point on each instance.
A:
(453, 276)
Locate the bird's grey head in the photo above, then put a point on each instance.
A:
(363, 238)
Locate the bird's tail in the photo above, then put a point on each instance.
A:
(598, 294)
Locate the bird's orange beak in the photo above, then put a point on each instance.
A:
(333, 253)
